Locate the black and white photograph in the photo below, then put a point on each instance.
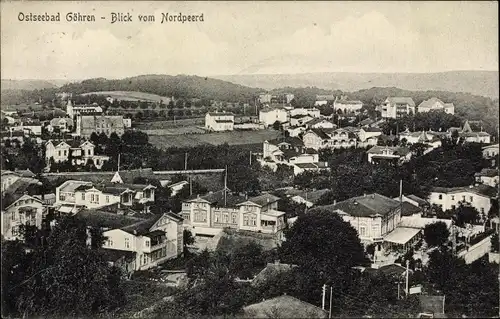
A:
(249, 159)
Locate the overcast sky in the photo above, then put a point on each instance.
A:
(250, 38)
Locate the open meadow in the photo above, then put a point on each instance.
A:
(231, 138)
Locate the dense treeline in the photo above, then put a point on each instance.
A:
(180, 86)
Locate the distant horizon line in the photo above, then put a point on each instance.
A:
(234, 74)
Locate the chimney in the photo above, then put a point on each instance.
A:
(268, 200)
(334, 202)
(364, 194)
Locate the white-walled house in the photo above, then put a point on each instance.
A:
(219, 121)
(269, 116)
(25, 210)
(87, 194)
(373, 216)
(294, 131)
(320, 123)
(366, 133)
(312, 112)
(394, 154)
(347, 106)
(435, 104)
(467, 134)
(207, 215)
(81, 152)
(396, 107)
(478, 197)
(153, 241)
(300, 120)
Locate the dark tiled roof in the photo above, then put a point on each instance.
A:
(217, 198)
(365, 206)
(371, 129)
(100, 218)
(129, 176)
(409, 209)
(220, 114)
(294, 141)
(321, 134)
(286, 306)
(401, 151)
(142, 227)
(263, 199)
(419, 200)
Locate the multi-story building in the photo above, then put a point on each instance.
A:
(207, 215)
(396, 107)
(478, 197)
(269, 116)
(369, 133)
(393, 154)
(81, 152)
(23, 210)
(63, 124)
(312, 112)
(152, 241)
(291, 151)
(219, 121)
(74, 111)
(435, 104)
(107, 124)
(373, 216)
(18, 182)
(94, 195)
(487, 176)
(347, 106)
(322, 138)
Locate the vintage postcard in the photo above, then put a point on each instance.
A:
(249, 159)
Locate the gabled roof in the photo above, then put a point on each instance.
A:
(25, 173)
(142, 227)
(19, 197)
(129, 176)
(320, 133)
(55, 121)
(217, 198)
(401, 100)
(371, 129)
(430, 103)
(261, 200)
(365, 206)
(417, 199)
(408, 209)
(22, 185)
(90, 121)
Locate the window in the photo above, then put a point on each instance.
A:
(217, 217)
(107, 199)
(453, 207)
(253, 220)
(13, 216)
(452, 197)
(245, 220)
(147, 243)
(15, 231)
(110, 243)
(463, 198)
(482, 210)
(83, 196)
(62, 197)
(471, 198)
(233, 218)
(362, 231)
(59, 153)
(127, 243)
(440, 196)
(225, 218)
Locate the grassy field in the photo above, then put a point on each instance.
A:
(131, 96)
(231, 138)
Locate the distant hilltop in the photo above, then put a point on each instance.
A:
(7, 84)
(484, 83)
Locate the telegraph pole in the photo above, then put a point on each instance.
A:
(324, 296)
(250, 158)
(185, 161)
(331, 293)
(407, 277)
